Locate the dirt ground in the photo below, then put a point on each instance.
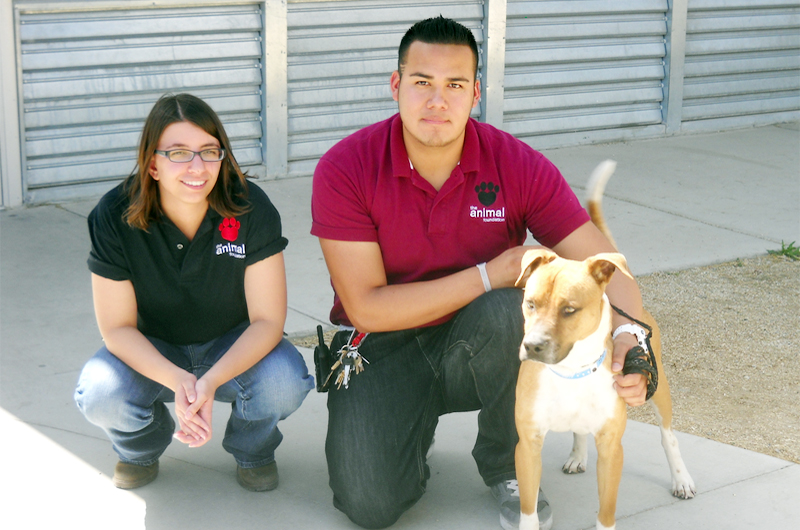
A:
(731, 339)
(731, 350)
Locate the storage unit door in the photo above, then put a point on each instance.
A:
(742, 63)
(341, 55)
(90, 78)
(584, 71)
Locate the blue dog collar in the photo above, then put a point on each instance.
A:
(583, 373)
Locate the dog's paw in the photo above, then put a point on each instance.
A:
(578, 457)
(683, 490)
(574, 465)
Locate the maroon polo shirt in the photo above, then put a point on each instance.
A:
(366, 190)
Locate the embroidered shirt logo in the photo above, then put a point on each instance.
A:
(487, 193)
(489, 215)
(234, 251)
(487, 196)
(229, 228)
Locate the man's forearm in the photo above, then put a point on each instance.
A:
(411, 305)
(624, 293)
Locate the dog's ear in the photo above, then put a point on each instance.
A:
(531, 260)
(602, 266)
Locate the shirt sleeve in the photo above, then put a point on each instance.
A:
(339, 207)
(264, 230)
(555, 211)
(106, 257)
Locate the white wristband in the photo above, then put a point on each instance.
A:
(635, 330)
(487, 285)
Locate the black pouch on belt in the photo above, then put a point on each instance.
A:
(323, 360)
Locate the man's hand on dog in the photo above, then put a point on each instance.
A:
(632, 388)
(504, 269)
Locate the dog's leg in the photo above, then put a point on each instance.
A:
(528, 453)
(578, 457)
(528, 457)
(609, 468)
(682, 484)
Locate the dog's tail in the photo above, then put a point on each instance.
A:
(594, 196)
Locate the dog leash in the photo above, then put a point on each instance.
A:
(641, 359)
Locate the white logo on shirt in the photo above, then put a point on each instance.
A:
(489, 215)
(235, 251)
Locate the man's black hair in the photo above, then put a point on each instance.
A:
(438, 30)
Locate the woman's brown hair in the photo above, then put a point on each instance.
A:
(227, 197)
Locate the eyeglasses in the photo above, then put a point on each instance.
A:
(184, 155)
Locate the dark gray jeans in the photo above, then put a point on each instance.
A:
(380, 428)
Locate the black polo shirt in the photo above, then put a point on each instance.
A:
(187, 292)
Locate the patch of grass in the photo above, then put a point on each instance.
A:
(790, 251)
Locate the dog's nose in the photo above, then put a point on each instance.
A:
(536, 349)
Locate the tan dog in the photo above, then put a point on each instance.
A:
(565, 380)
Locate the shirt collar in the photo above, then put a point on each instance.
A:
(207, 224)
(470, 155)
(400, 165)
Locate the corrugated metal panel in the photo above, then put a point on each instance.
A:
(584, 71)
(91, 77)
(341, 55)
(742, 63)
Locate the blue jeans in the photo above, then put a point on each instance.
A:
(380, 428)
(130, 407)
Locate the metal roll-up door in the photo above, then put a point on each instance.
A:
(340, 57)
(742, 63)
(89, 79)
(584, 71)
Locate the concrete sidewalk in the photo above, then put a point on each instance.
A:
(673, 203)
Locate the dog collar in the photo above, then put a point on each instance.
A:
(583, 373)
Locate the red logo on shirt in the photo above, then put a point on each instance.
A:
(229, 228)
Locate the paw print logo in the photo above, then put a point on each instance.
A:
(487, 193)
(229, 228)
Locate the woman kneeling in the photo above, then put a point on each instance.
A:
(189, 293)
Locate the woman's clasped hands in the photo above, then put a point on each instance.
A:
(194, 401)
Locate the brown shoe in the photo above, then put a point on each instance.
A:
(131, 476)
(264, 478)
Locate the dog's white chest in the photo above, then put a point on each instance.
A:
(580, 405)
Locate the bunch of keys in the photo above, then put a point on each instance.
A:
(350, 361)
